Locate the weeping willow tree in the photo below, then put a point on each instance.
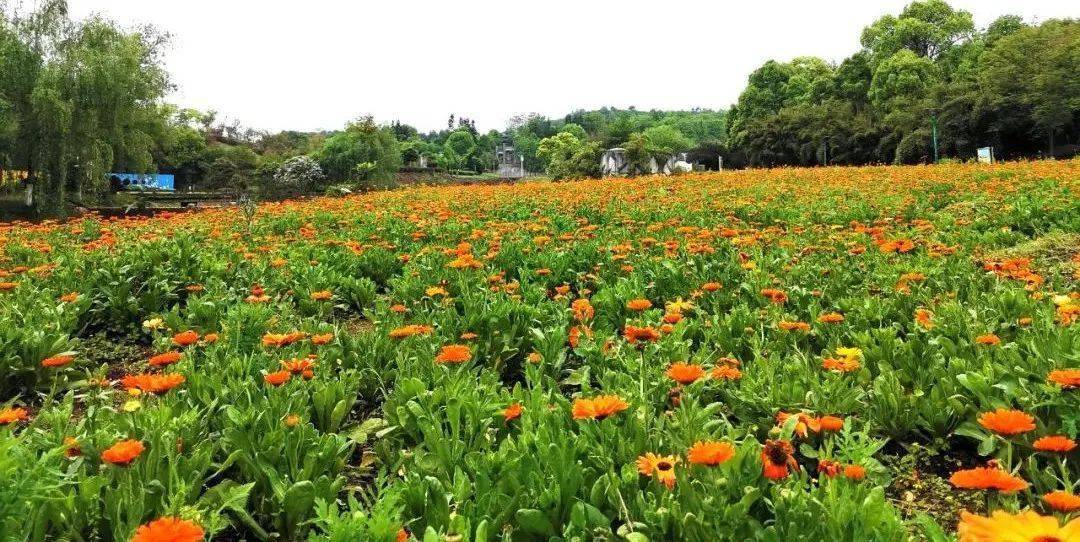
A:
(82, 98)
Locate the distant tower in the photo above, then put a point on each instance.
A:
(511, 164)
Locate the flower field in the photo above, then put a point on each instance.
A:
(833, 354)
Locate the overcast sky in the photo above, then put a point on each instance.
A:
(315, 64)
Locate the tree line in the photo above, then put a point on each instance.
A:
(79, 99)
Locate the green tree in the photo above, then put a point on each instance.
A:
(927, 28)
(569, 157)
(362, 142)
(1035, 69)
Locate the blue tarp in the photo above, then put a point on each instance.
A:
(151, 181)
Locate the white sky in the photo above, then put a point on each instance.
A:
(315, 64)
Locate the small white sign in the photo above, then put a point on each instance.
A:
(985, 155)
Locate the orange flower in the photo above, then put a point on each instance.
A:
(72, 449)
(59, 360)
(123, 452)
(277, 378)
(988, 340)
(454, 353)
(778, 297)
(634, 335)
(583, 310)
(685, 373)
(1055, 443)
(830, 318)
(512, 412)
(319, 340)
(710, 452)
(987, 478)
(924, 318)
(855, 472)
(166, 358)
(169, 529)
(210, 338)
(398, 308)
(599, 407)
(638, 305)
(1066, 378)
(292, 420)
(673, 318)
(410, 330)
(1007, 422)
(829, 468)
(663, 467)
(845, 365)
(831, 423)
(788, 325)
(152, 383)
(185, 338)
(1062, 501)
(298, 366)
(70, 297)
(726, 372)
(321, 295)
(776, 459)
(1025, 526)
(12, 415)
(5, 286)
(402, 535)
(711, 286)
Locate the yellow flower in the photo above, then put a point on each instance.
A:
(849, 353)
(153, 324)
(132, 405)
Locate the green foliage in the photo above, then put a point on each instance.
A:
(363, 152)
(568, 157)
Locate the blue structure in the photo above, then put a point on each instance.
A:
(142, 181)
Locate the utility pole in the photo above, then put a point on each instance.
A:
(933, 133)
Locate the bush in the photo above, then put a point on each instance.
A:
(299, 173)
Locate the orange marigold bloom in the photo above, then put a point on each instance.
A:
(989, 339)
(185, 338)
(987, 478)
(711, 286)
(410, 330)
(685, 373)
(166, 358)
(123, 452)
(778, 297)
(59, 360)
(398, 308)
(169, 529)
(673, 318)
(454, 353)
(845, 365)
(512, 412)
(1055, 443)
(1007, 422)
(638, 305)
(292, 420)
(726, 372)
(152, 383)
(297, 366)
(210, 338)
(1062, 501)
(855, 472)
(777, 459)
(5, 286)
(583, 310)
(321, 295)
(634, 335)
(277, 378)
(322, 339)
(831, 318)
(788, 325)
(12, 415)
(1025, 526)
(924, 318)
(662, 466)
(1066, 378)
(831, 423)
(70, 297)
(599, 407)
(710, 452)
